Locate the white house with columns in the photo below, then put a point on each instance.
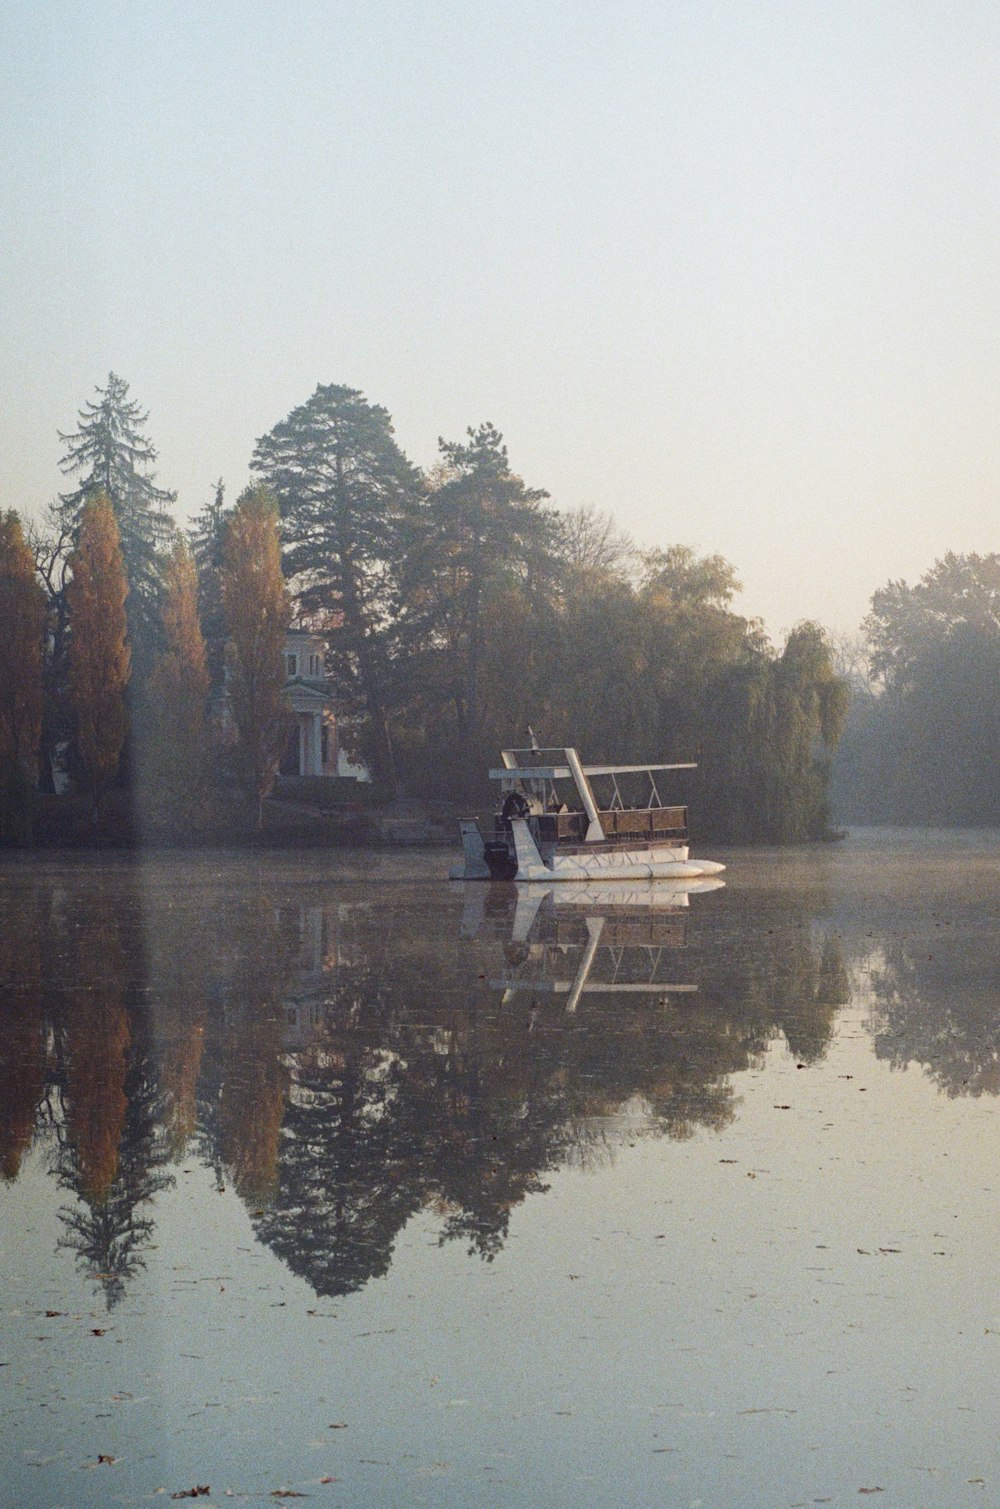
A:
(313, 747)
(312, 744)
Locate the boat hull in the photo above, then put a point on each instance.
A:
(596, 862)
(639, 864)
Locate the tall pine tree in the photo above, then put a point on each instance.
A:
(482, 533)
(344, 486)
(110, 453)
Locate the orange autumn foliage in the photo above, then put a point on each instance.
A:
(99, 658)
(22, 1049)
(98, 1041)
(179, 687)
(22, 621)
(258, 613)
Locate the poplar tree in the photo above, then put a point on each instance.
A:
(50, 540)
(207, 537)
(22, 622)
(99, 657)
(258, 613)
(179, 691)
(111, 453)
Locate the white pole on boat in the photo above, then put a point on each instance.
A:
(595, 833)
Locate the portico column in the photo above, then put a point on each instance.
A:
(317, 743)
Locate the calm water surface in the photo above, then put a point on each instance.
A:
(330, 1178)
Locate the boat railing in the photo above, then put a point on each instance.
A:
(622, 823)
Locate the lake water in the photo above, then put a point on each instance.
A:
(331, 1178)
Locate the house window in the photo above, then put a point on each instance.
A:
(293, 664)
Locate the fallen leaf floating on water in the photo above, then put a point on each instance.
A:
(103, 1456)
(340, 1425)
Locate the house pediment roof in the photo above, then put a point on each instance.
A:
(305, 692)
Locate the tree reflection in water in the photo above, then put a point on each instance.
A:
(111, 1145)
(347, 1060)
(23, 1055)
(939, 1009)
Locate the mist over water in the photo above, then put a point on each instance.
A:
(376, 1187)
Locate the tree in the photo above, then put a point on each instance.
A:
(258, 613)
(905, 622)
(25, 950)
(692, 638)
(51, 544)
(99, 657)
(482, 532)
(111, 454)
(776, 720)
(22, 621)
(689, 580)
(591, 545)
(344, 488)
(207, 538)
(179, 687)
(923, 750)
(112, 1152)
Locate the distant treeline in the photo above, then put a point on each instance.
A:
(922, 740)
(457, 606)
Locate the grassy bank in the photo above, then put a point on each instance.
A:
(295, 818)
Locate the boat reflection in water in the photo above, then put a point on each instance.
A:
(561, 937)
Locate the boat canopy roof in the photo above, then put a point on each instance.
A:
(563, 772)
(516, 767)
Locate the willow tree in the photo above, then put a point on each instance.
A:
(344, 489)
(99, 657)
(258, 613)
(22, 620)
(177, 758)
(776, 720)
(111, 453)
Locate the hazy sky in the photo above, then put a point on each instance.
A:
(729, 270)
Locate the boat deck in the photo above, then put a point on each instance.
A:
(622, 825)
